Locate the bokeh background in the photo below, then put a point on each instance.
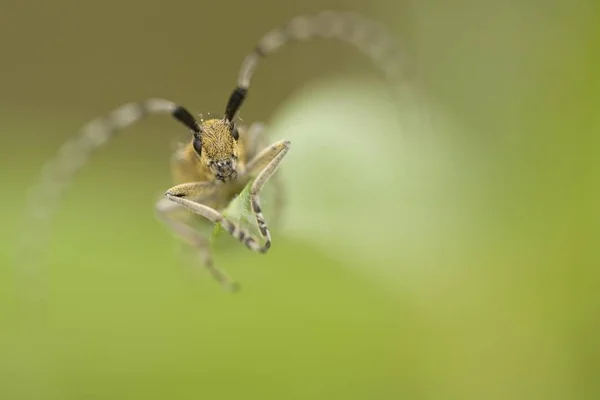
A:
(453, 259)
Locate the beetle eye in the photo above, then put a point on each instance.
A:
(235, 133)
(197, 146)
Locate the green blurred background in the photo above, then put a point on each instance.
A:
(455, 261)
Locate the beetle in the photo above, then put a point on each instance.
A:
(221, 156)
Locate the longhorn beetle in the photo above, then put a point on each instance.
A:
(221, 157)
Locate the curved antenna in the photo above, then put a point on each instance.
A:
(58, 173)
(367, 36)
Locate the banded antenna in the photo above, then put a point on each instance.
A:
(367, 36)
(57, 175)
